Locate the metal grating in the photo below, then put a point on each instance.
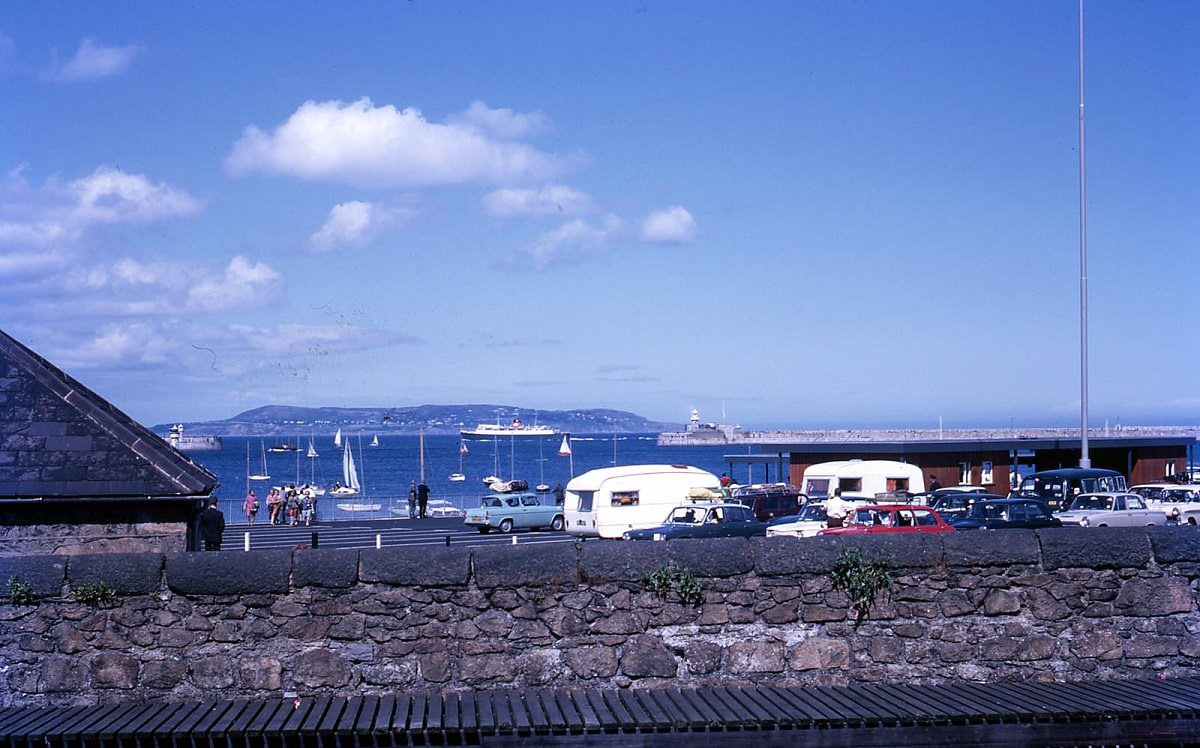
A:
(1144, 712)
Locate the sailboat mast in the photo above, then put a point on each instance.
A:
(421, 452)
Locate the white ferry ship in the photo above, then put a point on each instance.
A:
(514, 429)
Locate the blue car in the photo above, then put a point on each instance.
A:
(703, 520)
(994, 513)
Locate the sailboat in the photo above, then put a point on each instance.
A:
(375, 440)
(337, 438)
(459, 477)
(350, 485)
(264, 475)
(312, 456)
(565, 451)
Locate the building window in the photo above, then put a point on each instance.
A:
(985, 475)
(964, 473)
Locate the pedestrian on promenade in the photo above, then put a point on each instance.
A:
(250, 507)
(560, 494)
(422, 498)
(412, 500)
(837, 509)
(934, 483)
(212, 526)
(273, 504)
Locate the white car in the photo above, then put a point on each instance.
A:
(806, 524)
(1179, 503)
(1110, 510)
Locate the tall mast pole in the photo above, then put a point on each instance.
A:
(1084, 460)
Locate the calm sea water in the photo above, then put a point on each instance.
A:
(385, 470)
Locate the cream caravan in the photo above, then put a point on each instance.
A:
(861, 479)
(608, 501)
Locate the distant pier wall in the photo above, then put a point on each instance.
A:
(1056, 605)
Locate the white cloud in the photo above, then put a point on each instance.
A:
(243, 284)
(353, 224)
(92, 61)
(671, 226)
(290, 339)
(549, 200)
(500, 123)
(573, 241)
(372, 147)
(31, 216)
(124, 345)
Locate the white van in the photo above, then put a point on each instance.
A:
(861, 479)
(608, 501)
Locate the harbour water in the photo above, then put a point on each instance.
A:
(386, 470)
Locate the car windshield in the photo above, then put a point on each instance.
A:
(813, 512)
(990, 511)
(1092, 502)
(686, 516)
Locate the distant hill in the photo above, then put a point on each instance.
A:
(285, 420)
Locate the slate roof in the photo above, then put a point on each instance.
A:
(61, 441)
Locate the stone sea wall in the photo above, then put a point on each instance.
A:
(1059, 605)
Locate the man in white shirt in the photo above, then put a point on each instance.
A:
(837, 509)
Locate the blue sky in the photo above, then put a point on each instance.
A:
(802, 214)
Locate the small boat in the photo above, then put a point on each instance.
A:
(359, 507)
(375, 441)
(285, 447)
(312, 453)
(459, 477)
(264, 475)
(337, 438)
(542, 488)
(350, 485)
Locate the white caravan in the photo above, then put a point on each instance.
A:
(861, 479)
(609, 501)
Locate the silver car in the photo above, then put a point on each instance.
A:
(1110, 510)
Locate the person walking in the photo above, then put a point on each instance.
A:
(422, 498)
(934, 483)
(212, 526)
(837, 509)
(250, 507)
(560, 494)
(412, 500)
(273, 504)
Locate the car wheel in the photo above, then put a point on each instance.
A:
(556, 524)
(506, 526)
(1192, 521)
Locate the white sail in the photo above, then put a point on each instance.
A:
(337, 438)
(565, 449)
(312, 450)
(349, 472)
(375, 441)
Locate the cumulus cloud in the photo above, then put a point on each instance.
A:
(91, 61)
(55, 212)
(549, 200)
(573, 241)
(353, 224)
(292, 338)
(671, 226)
(372, 147)
(244, 283)
(504, 124)
(127, 345)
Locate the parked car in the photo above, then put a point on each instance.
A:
(874, 519)
(769, 500)
(808, 522)
(990, 512)
(1177, 502)
(443, 508)
(520, 510)
(955, 505)
(1058, 487)
(703, 520)
(1111, 510)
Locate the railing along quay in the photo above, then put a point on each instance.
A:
(1140, 712)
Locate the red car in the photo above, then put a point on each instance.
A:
(871, 519)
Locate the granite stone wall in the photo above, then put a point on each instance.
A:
(1057, 605)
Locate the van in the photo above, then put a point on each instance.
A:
(607, 502)
(768, 500)
(862, 479)
(1059, 487)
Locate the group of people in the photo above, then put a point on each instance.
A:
(290, 506)
(418, 500)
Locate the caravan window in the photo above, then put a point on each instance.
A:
(817, 487)
(624, 498)
(585, 500)
(897, 484)
(850, 484)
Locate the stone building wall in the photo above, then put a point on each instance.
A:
(87, 527)
(1058, 605)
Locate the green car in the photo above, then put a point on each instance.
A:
(522, 510)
